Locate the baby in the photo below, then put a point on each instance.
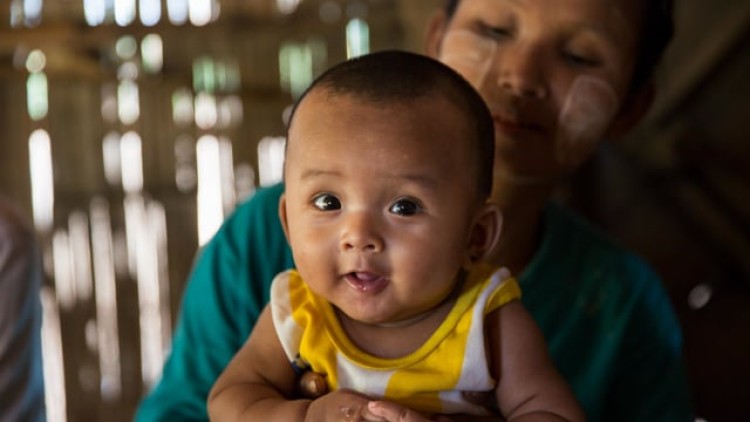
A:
(388, 170)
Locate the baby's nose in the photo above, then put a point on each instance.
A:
(360, 233)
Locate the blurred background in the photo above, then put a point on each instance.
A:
(130, 128)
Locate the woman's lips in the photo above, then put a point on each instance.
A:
(513, 126)
(366, 282)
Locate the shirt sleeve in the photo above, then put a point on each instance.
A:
(507, 291)
(21, 380)
(226, 291)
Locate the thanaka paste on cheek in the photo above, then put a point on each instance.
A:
(584, 117)
(468, 54)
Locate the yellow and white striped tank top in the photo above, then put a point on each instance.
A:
(430, 379)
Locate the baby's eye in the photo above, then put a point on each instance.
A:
(405, 207)
(326, 202)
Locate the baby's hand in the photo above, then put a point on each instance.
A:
(341, 405)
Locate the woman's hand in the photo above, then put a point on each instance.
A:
(392, 412)
(355, 407)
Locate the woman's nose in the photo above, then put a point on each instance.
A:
(360, 233)
(519, 70)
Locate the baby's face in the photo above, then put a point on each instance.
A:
(378, 203)
(553, 72)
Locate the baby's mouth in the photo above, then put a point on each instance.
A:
(365, 281)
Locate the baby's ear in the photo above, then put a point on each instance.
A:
(485, 233)
(282, 215)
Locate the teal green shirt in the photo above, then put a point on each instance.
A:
(608, 322)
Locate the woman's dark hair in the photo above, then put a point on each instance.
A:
(658, 28)
(399, 77)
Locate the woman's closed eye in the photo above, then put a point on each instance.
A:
(326, 202)
(580, 60)
(577, 57)
(496, 32)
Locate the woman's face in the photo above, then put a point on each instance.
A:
(553, 72)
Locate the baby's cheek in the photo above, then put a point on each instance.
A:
(585, 115)
(468, 54)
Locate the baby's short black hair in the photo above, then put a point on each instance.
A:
(399, 77)
(657, 31)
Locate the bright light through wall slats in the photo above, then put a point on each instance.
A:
(52, 352)
(128, 103)
(152, 53)
(357, 38)
(32, 12)
(271, 160)
(106, 299)
(226, 166)
(295, 67)
(153, 290)
(36, 61)
(200, 12)
(133, 209)
(16, 13)
(111, 158)
(157, 216)
(287, 7)
(128, 71)
(94, 11)
(149, 11)
(229, 112)
(42, 179)
(78, 235)
(65, 286)
(206, 113)
(126, 47)
(177, 10)
(182, 107)
(125, 12)
(36, 94)
(132, 162)
(204, 74)
(210, 203)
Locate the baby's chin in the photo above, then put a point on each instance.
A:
(375, 318)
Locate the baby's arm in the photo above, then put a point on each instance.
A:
(258, 381)
(529, 386)
(259, 384)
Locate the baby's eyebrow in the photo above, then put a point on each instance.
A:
(313, 173)
(420, 179)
